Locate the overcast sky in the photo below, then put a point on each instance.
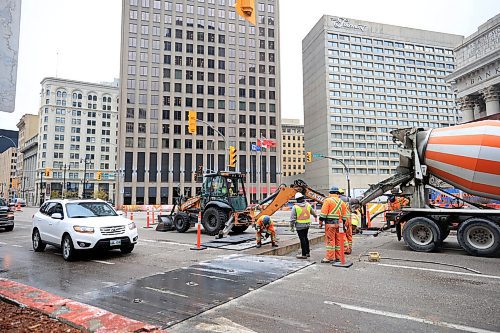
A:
(86, 34)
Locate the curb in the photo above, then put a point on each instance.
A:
(286, 247)
(78, 315)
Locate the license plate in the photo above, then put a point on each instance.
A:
(115, 242)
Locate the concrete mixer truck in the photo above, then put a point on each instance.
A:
(465, 156)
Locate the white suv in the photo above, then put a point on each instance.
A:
(77, 225)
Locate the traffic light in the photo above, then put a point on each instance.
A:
(195, 176)
(192, 122)
(232, 156)
(48, 172)
(246, 9)
(98, 175)
(309, 157)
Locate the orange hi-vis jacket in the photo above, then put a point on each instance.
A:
(398, 203)
(333, 209)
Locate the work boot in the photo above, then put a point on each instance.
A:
(347, 252)
(274, 245)
(326, 261)
(298, 256)
(258, 245)
(308, 255)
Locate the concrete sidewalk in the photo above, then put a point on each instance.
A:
(81, 316)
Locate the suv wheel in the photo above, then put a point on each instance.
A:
(9, 228)
(38, 245)
(68, 251)
(127, 249)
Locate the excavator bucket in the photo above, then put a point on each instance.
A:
(166, 223)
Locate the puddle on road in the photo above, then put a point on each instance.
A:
(168, 298)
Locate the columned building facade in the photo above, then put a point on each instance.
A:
(77, 142)
(181, 55)
(477, 76)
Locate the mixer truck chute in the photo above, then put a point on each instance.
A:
(465, 156)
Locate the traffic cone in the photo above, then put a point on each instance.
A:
(147, 220)
(131, 216)
(198, 235)
(18, 207)
(368, 219)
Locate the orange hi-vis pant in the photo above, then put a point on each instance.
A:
(332, 241)
(348, 236)
(265, 230)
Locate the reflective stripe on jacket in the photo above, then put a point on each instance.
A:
(333, 208)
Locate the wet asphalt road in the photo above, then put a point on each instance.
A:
(390, 296)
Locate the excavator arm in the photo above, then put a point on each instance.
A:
(278, 199)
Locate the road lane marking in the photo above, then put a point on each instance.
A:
(406, 317)
(164, 291)
(442, 271)
(164, 242)
(223, 325)
(15, 245)
(103, 262)
(2, 243)
(213, 277)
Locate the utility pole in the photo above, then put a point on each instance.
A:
(42, 194)
(64, 187)
(346, 174)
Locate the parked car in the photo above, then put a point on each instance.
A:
(6, 216)
(17, 201)
(81, 225)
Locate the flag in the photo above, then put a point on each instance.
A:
(255, 147)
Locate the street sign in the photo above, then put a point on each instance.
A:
(318, 155)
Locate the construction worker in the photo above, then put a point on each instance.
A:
(332, 214)
(265, 225)
(300, 219)
(347, 224)
(396, 201)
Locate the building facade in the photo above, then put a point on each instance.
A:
(292, 143)
(28, 175)
(182, 55)
(9, 185)
(363, 79)
(77, 142)
(28, 129)
(477, 76)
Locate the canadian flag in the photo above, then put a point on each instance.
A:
(266, 143)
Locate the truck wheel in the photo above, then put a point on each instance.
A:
(479, 237)
(181, 222)
(422, 234)
(239, 229)
(213, 220)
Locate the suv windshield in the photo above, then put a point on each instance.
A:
(89, 209)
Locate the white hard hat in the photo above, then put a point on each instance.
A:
(298, 195)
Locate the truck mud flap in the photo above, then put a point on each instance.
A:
(165, 223)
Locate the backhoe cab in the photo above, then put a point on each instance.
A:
(222, 196)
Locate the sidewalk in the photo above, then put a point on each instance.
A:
(78, 315)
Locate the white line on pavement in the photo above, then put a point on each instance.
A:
(164, 291)
(15, 245)
(163, 242)
(442, 271)
(406, 317)
(2, 243)
(103, 262)
(213, 277)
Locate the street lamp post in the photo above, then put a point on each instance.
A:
(84, 193)
(346, 174)
(6, 137)
(64, 180)
(226, 159)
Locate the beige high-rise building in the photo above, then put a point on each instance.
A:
(362, 80)
(292, 139)
(8, 177)
(77, 142)
(181, 55)
(28, 127)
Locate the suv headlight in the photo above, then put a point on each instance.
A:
(83, 229)
(132, 226)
